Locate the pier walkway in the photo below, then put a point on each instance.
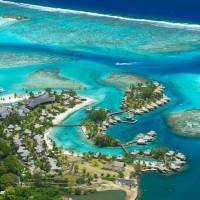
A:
(124, 148)
(65, 125)
(117, 112)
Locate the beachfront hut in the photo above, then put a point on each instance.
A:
(96, 155)
(109, 156)
(120, 157)
(180, 156)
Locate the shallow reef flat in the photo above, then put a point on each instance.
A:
(13, 59)
(186, 123)
(122, 80)
(110, 35)
(44, 78)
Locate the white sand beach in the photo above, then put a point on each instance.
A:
(9, 98)
(5, 20)
(62, 116)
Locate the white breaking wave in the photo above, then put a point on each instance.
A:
(152, 22)
(129, 63)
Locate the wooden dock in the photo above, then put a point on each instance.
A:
(66, 125)
(124, 148)
(129, 122)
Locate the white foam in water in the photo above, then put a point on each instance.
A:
(152, 22)
(129, 63)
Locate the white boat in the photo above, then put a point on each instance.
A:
(2, 90)
(89, 109)
(82, 143)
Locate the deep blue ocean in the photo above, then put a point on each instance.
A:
(156, 39)
(173, 10)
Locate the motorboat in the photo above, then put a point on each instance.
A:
(2, 90)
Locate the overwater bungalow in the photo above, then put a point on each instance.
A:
(118, 119)
(174, 167)
(181, 156)
(140, 136)
(144, 109)
(148, 138)
(141, 142)
(150, 107)
(129, 117)
(112, 121)
(170, 153)
(179, 162)
(134, 153)
(162, 168)
(105, 123)
(151, 133)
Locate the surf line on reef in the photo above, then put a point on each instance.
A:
(145, 21)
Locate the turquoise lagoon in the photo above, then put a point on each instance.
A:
(87, 48)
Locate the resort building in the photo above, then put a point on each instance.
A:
(32, 103)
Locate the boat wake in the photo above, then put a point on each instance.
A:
(144, 21)
(129, 63)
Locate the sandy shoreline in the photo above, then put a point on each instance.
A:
(9, 98)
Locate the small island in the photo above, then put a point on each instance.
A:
(16, 17)
(141, 98)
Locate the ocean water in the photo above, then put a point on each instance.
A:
(175, 10)
(88, 46)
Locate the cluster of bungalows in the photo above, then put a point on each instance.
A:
(148, 106)
(20, 139)
(107, 123)
(66, 98)
(20, 110)
(178, 161)
(143, 139)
